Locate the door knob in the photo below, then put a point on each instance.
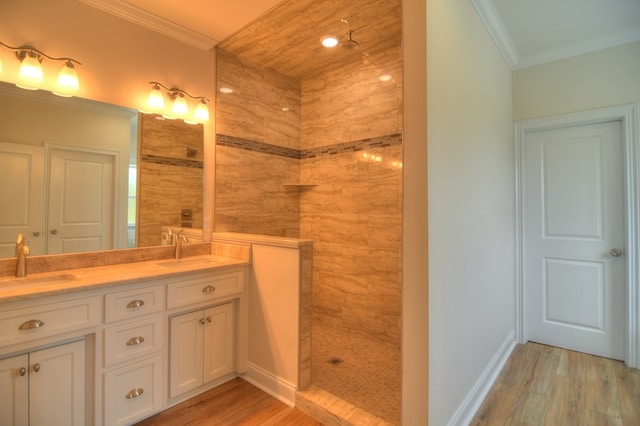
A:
(615, 252)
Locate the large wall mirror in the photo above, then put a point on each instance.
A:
(78, 175)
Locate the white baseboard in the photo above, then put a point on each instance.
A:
(465, 412)
(273, 385)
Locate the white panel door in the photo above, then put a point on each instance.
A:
(81, 201)
(573, 223)
(57, 385)
(218, 341)
(21, 196)
(14, 391)
(186, 353)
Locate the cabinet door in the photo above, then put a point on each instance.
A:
(186, 352)
(57, 385)
(218, 341)
(14, 391)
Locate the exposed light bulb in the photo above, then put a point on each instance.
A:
(30, 72)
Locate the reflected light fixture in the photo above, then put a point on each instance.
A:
(179, 106)
(31, 75)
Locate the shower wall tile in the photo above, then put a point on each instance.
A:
(351, 103)
(254, 110)
(250, 197)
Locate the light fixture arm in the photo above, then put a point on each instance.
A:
(173, 92)
(22, 51)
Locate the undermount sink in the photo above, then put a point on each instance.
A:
(180, 263)
(47, 279)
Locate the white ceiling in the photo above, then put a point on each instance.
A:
(527, 32)
(531, 32)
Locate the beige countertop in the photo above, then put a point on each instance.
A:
(74, 280)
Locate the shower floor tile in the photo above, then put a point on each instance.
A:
(358, 370)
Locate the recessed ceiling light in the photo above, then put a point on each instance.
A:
(226, 90)
(385, 77)
(329, 41)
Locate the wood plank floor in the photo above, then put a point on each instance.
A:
(544, 385)
(235, 402)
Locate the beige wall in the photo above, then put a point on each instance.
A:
(471, 205)
(600, 79)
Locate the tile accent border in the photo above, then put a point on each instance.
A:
(181, 162)
(340, 148)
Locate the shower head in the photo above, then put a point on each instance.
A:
(349, 43)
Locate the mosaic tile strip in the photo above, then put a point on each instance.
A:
(249, 145)
(341, 148)
(181, 162)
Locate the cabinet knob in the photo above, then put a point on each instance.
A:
(134, 393)
(36, 367)
(54, 232)
(201, 320)
(22, 371)
(135, 341)
(135, 304)
(31, 324)
(209, 289)
(209, 319)
(36, 233)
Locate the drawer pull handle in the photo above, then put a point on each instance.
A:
(209, 289)
(28, 325)
(135, 341)
(134, 393)
(135, 304)
(22, 371)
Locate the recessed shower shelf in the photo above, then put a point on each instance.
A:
(299, 186)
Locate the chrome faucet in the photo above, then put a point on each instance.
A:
(179, 238)
(22, 251)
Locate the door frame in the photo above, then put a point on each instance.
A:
(628, 116)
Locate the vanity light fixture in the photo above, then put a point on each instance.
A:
(31, 75)
(179, 106)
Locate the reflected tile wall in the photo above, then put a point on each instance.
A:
(169, 180)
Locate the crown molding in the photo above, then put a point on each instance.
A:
(488, 14)
(153, 22)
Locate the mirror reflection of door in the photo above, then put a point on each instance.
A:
(21, 205)
(81, 201)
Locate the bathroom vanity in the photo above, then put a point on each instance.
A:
(114, 344)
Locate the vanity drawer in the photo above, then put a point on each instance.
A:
(132, 339)
(134, 303)
(133, 391)
(204, 288)
(48, 319)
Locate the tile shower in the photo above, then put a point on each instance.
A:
(340, 136)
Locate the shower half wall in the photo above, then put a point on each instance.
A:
(341, 134)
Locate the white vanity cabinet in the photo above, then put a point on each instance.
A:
(202, 329)
(44, 387)
(201, 347)
(132, 354)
